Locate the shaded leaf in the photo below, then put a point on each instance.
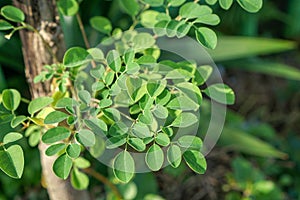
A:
(123, 166)
(56, 134)
(62, 166)
(12, 161)
(195, 160)
(154, 157)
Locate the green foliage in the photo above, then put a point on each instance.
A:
(92, 86)
(101, 24)
(123, 166)
(68, 7)
(38, 104)
(12, 161)
(246, 177)
(12, 13)
(11, 99)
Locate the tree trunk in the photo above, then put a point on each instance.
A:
(43, 16)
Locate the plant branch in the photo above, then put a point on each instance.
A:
(85, 39)
(104, 180)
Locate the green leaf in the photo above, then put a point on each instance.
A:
(117, 129)
(160, 111)
(12, 13)
(162, 139)
(174, 155)
(79, 180)
(123, 167)
(71, 120)
(171, 28)
(4, 25)
(54, 149)
(56, 134)
(131, 7)
(185, 120)
(191, 91)
(12, 137)
(211, 19)
(86, 137)
(182, 103)
(109, 78)
(17, 121)
(183, 30)
(202, 74)
(163, 98)
(82, 163)
(129, 56)
(176, 3)
(73, 150)
(225, 4)
(195, 160)
(251, 5)
(155, 88)
(97, 72)
(115, 142)
(75, 57)
(168, 131)
(39, 103)
(137, 143)
(68, 7)
(135, 88)
(206, 37)
(34, 139)
(211, 2)
(55, 117)
(66, 101)
(84, 96)
(149, 18)
(154, 3)
(112, 114)
(146, 117)
(141, 130)
(160, 28)
(11, 99)
(104, 103)
(96, 125)
(192, 10)
(143, 41)
(62, 166)
(12, 161)
(97, 86)
(221, 93)
(154, 157)
(101, 24)
(190, 142)
(96, 53)
(114, 60)
(132, 68)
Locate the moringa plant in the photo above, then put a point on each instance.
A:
(119, 99)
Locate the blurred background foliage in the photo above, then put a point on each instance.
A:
(258, 154)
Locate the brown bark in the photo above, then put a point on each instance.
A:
(42, 15)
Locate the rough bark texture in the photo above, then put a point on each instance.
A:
(42, 15)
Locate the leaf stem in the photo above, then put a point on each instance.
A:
(25, 100)
(104, 180)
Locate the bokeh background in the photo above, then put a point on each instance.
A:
(258, 154)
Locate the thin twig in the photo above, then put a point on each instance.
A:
(104, 180)
(85, 39)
